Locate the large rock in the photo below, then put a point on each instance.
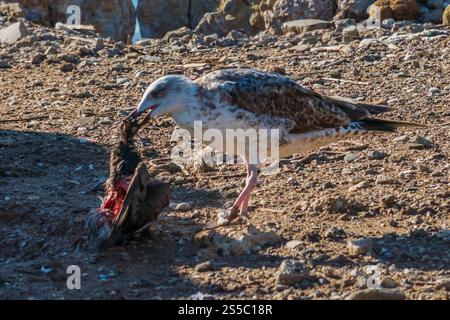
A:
(401, 9)
(157, 17)
(111, 18)
(12, 33)
(286, 10)
(237, 14)
(353, 9)
(231, 15)
(198, 10)
(405, 9)
(380, 12)
(212, 23)
(257, 22)
(37, 10)
(433, 15)
(446, 17)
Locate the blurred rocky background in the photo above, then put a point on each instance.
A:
(119, 19)
(320, 227)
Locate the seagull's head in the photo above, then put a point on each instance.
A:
(166, 95)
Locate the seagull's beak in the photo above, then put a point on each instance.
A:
(133, 115)
(136, 113)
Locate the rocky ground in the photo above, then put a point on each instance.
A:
(371, 211)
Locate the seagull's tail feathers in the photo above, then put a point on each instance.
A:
(361, 112)
(375, 124)
(358, 110)
(305, 142)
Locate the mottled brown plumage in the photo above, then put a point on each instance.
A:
(246, 101)
(275, 95)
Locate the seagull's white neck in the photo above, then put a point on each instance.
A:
(179, 97)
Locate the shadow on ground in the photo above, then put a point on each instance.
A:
(47, 181)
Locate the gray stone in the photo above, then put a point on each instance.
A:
(377, 294)
(421, 141)
(444, 234)
(302, 47)
(435, 4)
(204, 267)
(140, 74)
(67, 67)
(349, 157)
(123, 81)
(356, 9)
(376, 155)
(235, 241)
(237, 36)
(37, 58)
(433, 91)
(156, 18)
(368, 42)
(433, 15)
(288, 10)
(304, 25)
(351, 31)
(212, 23)
(291, 272)
(51, 50)
(182, 206)
(404, 138)
(410, 56)
(13, 33)
(294, 244)
(443, 284)
(71, 58)
(341, 24)
(387, 23)
(4, 64)
(359, 186)
(359, 246)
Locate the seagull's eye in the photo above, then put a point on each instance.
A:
(158, 92)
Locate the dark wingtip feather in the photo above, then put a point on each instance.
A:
(358, 110)
(375, 124)
(375, 108)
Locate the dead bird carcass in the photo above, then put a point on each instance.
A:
(133, 198)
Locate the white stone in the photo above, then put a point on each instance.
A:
(359, 246)
(14, 32)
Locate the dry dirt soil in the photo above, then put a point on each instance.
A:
(56, 128)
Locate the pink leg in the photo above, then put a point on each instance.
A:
(244, 197)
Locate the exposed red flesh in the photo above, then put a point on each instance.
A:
(111, 206)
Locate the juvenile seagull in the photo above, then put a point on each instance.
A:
(248, 98)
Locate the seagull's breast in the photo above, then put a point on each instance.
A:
(232, 130)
